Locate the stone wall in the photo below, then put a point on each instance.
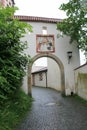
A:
(81, 81)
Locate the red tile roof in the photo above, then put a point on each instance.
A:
(37, 19)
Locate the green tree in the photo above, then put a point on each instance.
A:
(75, 25)
(12, 59)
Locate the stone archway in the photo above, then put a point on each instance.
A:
(58, 61)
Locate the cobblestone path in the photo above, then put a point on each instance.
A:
(50, 111)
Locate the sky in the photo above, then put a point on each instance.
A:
(40, 8)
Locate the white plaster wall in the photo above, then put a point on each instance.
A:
(25, 82)
(64, 46)
(53, 75)
(81, 69)
(25, 86)
(61, 47)
(81, 81)
(82, 85)
(41, 83)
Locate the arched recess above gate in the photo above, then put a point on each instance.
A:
(60, 64)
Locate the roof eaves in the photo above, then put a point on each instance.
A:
(37, 19)
(40, 70)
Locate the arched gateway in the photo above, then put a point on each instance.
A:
(50, 45)
(60, 64)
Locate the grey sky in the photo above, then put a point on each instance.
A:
(42, 8)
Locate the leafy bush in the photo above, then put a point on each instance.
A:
(13, 61)
(14, 110)
(75, 25)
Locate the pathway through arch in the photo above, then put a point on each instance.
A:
(51, 111)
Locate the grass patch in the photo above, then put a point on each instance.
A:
(76, 97)
(80, 99)
(14, 110)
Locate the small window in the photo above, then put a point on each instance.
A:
(44, 30)
(40, 77)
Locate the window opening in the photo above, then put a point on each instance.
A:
(44, 30)
(40, 77)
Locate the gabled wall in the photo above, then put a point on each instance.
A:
(37, 81)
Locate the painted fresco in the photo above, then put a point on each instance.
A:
(45, 43)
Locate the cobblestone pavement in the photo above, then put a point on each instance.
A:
(51, 111)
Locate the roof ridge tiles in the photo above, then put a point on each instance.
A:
(37, 19)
